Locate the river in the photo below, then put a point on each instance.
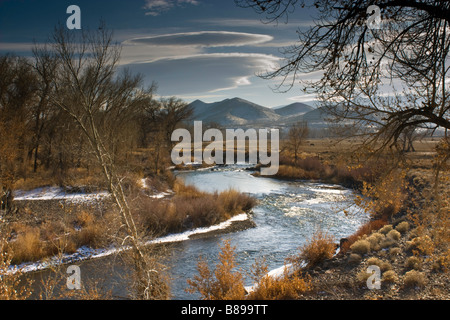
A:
(286, 216)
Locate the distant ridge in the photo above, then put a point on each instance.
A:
(293, 109)
(234, 111)
(238, 112)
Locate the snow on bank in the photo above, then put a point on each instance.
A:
(277, 273)
(185, 235)
(58, 193)
(160, 195)
(86, 253)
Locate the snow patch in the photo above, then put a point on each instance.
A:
(86, 253)
(58, 193)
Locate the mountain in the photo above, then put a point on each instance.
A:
(293, 109)
(233, 112)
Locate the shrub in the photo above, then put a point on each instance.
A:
(27, 247)
(189, 208)
(13, 286)
(285, 287)
(383, 265)
(375, 240)
(389, 276)
(224, 283)
(91, 236)
(91, 233)
(360, 247)
(365, 229)
(414, 278)
(84, 219)
(319, 248)
(386, 229)
(402, 227)
(291, 172)
(354, 258)
(423, 244)
(387, 242)
(362, 276)
(413, 263)
(395, 251)
(394, 235)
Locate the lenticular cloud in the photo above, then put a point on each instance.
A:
(203, 39)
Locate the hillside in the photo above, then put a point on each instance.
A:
(233, 112)
(293, 109)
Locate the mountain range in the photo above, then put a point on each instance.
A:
(237, 112)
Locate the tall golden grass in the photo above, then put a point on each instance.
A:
(225, 282)
(189, 208)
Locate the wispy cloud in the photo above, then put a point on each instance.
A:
(156, 7)
(203, 39)
(255, 23)
(201, 74)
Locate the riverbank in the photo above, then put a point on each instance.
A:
(51, 225)
(410, 251)
(414, 263)
(237, 223)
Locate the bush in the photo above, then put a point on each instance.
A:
(375, 239)
(395, 251)
(27, 247)
(383, 265)
(413, 263)
(189, 208)
(360, 247)
(386, 229)
(414, 278)
(423, 244)
(394, 235)
(367, 228)
(389, 276)
(362, 276)
(387, 242)
(319, 248)
(354, 258)
(402, 227)
(224, 283)
(285, 287)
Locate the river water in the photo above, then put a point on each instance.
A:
(286, 216)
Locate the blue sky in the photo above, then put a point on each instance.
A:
(194, 49)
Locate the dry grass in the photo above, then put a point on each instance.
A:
(383, 265)
(360, 247)
(34, 243)
(389, 276)
(319, 248)
(189, 208)
(286, 287)
(402, 227)
(414, 279)
(12, 286)
(225, 283)
(365, 229)
(413, 262)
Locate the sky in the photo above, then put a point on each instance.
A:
(209, 50)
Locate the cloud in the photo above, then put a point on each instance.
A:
(255, 23)
(203, 39)
(156, 7)
(16, 47)
(202, 74)
(303, 98)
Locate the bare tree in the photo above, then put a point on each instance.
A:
(408, 55)
(17, 94)
(161, 119)
(88, 89)
(296, 138)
